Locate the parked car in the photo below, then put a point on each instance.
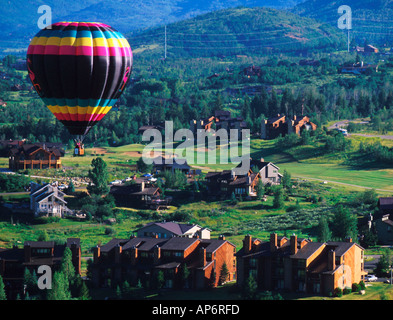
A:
(371, 277)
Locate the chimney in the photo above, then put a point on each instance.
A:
(96, 254)
(331, 260)
(247, 243)
(202, 256)
(303, 243)
(157, 254)
(118, 250)
(262, 159)
(221, 237)
(348, 239)
(134, 255)
(143, 185)
(273, 242)
(293, 244)
(27, 253)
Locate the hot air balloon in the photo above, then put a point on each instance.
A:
(79, 69)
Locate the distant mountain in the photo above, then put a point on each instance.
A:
(239, 31)
(18, 18)
(371, 19)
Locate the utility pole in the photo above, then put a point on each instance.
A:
(165, 48)
(345, 20)
(348, 39)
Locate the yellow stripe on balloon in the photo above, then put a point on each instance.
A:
(84, 41)
(79, 110)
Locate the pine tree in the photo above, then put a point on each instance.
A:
(344, 224)
(324, 233)
(260, 190)
(99, 177)
(278, 201)
(84, 293)
(250, 289)
(224, 273)
(60, 287)
(185, 273)
(286, 180)
(3, 296)
(71, 187)
(30, 281)
(67, 266)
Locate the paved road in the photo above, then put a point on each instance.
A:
(344, 123)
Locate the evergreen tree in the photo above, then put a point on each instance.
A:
(84, 293)
(286, 180)
(224, 273)
(383, 266)
(260, 189)
(67, 267)
(3, 296)
(119, 294)
(71, 187)
(250, 289)
(278, 200)
(60, 287)
(30, 281)
(185, 273)
(99, 177)
(43, 236)
(344, 224)
(212, 278)
(324, 233)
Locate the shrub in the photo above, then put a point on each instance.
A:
(356, 287)
(110, 231)
(347, 290)
(362, 285)
(338, 292)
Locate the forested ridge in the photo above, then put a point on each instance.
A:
(185, 88)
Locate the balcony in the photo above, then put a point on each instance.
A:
(36, 164)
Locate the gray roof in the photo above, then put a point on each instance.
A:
(177, 243)
(174, 227)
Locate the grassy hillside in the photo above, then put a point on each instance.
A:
(241, 30)
(18, 22)
(371, 20)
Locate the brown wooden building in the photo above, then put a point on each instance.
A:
(140, 259)
(14, 261)
(281, 125)
(35, 156)
(300, 265)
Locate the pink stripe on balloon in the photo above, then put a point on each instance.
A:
(79, 50)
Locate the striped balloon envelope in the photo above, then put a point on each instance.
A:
(79, 69)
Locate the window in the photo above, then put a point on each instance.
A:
(178, 254)
(301, 273)
(252, 273)
(253, 263)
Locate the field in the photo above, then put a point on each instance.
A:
(329, 177)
